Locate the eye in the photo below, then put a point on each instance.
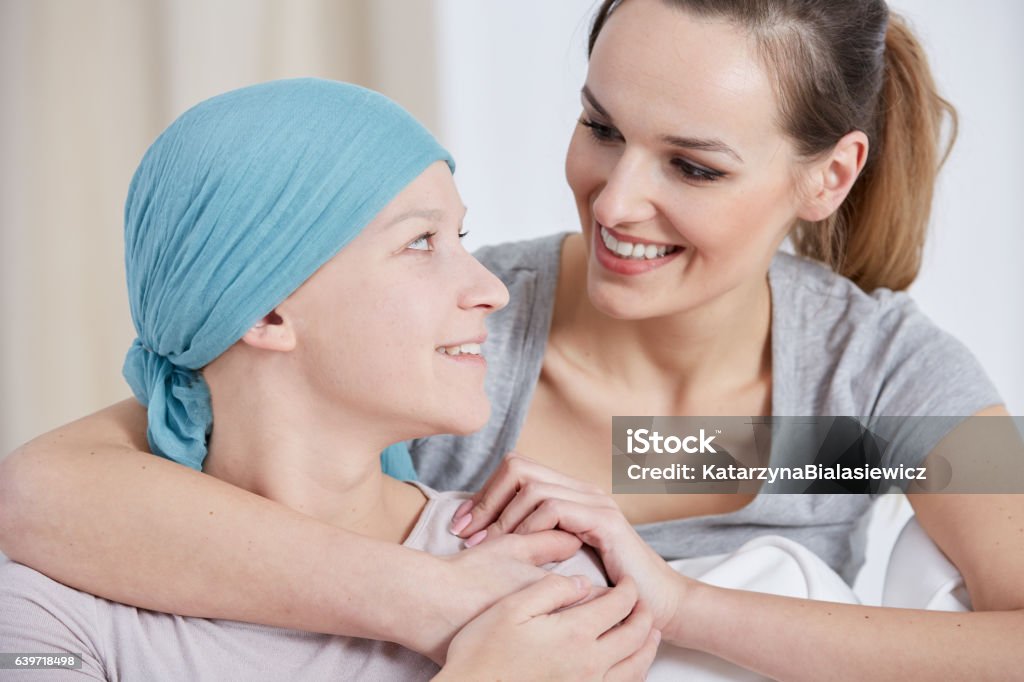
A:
(462, 235)
(695, 173)
(600, 131)
(422, 243)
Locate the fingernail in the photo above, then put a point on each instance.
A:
(581, 582)
(476, 538)
(657, 636)
(464, 507)
(460, 522)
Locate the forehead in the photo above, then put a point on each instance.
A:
(433, 189)
(432, 196)
(683, 75)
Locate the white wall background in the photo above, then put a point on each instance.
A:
(510, 73)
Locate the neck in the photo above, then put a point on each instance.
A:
(289, 450)
(721, 347)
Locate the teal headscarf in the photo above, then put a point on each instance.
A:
(233, 207)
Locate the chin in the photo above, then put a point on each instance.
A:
(621, 305)
(470, 419)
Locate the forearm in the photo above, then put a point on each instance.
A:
(138, 529)
(793, 639)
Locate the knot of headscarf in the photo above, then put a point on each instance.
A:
(232, 208)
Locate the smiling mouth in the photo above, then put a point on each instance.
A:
(635, 249)
(461, 349)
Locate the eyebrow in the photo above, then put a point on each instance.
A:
(701, 144)
(433, 214)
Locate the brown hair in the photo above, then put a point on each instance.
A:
(841, 66)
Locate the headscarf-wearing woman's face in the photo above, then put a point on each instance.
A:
(391, 327)
(678, 151)
(240, 202)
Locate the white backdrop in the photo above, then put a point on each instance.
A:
(510, 75)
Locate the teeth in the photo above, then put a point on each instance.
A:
(634, 251)
(463, 349)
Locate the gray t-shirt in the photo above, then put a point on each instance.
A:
(119, 642)
(835, 351)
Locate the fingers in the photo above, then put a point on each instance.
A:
(635, 667)
(512, 475)
(482, 508)
(594, 525)
(603, 613)
(630, 636)
(538, 548)
(549, 594)
(530, 497)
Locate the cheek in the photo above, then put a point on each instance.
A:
(580, 165)
(397, 323)
(371, 342)
(747, 217)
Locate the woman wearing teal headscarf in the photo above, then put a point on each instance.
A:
(302, 300)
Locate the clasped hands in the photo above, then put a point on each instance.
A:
(524, 504)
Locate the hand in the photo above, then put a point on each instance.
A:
(471, 581)
(524, 497)
(530, 635)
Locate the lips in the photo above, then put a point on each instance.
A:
(460, 349)
(637, 261)
(631, 247)
(468, 350)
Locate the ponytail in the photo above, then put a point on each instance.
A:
(877, 236)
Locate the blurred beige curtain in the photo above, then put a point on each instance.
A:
(85, 87)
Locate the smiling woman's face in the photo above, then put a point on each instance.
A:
(389, 328)
(678, 151)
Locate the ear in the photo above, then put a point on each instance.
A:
(832, 178)
(274, 333)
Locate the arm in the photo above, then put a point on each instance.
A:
(796, 639)
(978, 532)
(982, 536)
(87, 507)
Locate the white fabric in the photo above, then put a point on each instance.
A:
(769, 564)
(920, 576)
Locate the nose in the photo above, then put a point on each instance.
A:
(627, 193)
(482, 289)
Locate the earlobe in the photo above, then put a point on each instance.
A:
(835, 175)
(274, 333)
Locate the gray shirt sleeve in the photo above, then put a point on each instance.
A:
(932, 384)
(840, 351)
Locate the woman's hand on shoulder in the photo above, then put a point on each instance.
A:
(513, 492)
(551, 631)
(524, 497)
